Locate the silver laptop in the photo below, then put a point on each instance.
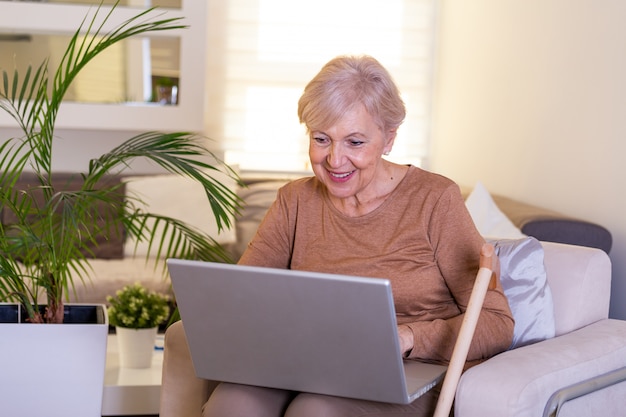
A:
(302, 331)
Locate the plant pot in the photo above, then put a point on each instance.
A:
(53, 369)
(135, 346)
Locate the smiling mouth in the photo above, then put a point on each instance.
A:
(337, 176)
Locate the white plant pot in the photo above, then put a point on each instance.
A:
(53, 369)
(135, 346)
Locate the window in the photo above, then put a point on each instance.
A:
(263, 52)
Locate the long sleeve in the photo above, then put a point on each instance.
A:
(457, 247)
(272, 245)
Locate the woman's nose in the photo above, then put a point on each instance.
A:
(335, 155)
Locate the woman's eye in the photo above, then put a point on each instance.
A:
(320, 139)
(355, 142)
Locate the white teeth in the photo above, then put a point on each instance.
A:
(340, 175)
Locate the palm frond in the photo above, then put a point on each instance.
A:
(14, 156)
(24, 99)
(180, 153)
(167, 237)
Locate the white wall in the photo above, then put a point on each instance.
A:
(531, 100)
(73, 148)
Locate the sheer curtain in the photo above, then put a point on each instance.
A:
(263, 52)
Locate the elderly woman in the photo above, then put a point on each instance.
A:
(363, 215)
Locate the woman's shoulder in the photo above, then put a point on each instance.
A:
(299, 185)
(430, 192)
(421, 180)
(302, 188)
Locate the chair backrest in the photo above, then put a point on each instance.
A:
(580, 282)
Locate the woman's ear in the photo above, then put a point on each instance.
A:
(389, 140)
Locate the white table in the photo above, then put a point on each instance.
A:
(129, 391)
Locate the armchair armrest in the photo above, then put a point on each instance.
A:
(589, 386)
(520, 382)
(580, 280)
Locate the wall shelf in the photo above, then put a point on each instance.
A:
(187, 114)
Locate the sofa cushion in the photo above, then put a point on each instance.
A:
(564, 230)
(523, 277)
(181, 198)
(551, 226)
(490, 221)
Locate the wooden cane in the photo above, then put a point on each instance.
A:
(484, 279)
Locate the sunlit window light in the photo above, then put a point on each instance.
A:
(274, 47)
(312, 32)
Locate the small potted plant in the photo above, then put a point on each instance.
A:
(136, 314)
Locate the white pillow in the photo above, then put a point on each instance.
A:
(181, 198)
(525, 284)
(488, 218)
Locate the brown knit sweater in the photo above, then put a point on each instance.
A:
(421, 238)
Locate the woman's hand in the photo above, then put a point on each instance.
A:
(405, 335)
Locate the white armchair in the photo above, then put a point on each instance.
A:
(576, 373)
(587, 354)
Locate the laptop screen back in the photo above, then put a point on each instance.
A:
(301, 331)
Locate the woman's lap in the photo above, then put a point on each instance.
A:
(241, 400)
(234, 400)
(314, 405)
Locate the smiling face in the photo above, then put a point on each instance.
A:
(347, 157)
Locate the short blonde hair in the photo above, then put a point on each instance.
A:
(344, 82)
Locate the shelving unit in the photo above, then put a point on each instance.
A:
(139, 115)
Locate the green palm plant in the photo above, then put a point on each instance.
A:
(54, 231)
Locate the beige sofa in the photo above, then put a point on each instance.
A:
(518, 382)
